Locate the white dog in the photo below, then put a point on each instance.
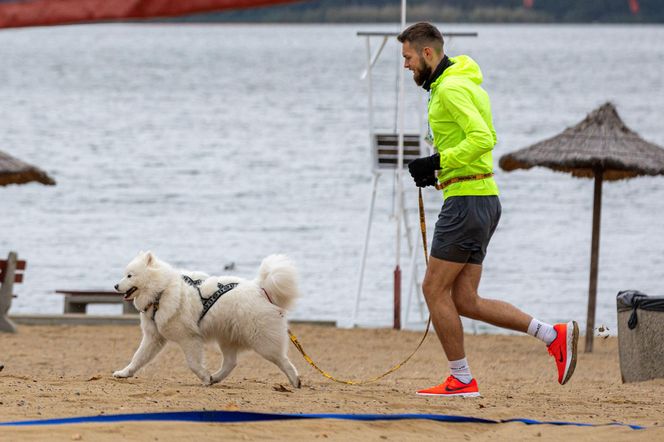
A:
(190, 308)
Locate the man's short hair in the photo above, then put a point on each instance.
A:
(422, 34)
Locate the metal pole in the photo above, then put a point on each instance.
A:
(399, 176)
(370, 96)
(373, 60)
(412, 282)
(594, 260)
(374, 183)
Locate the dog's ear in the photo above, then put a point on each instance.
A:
(149, 258)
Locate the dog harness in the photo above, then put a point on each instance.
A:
(208, 302)
(154, 304)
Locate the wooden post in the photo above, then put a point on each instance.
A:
(6, 294)
(594, 260)
(397, 298)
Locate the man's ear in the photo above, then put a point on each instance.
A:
(428, 53)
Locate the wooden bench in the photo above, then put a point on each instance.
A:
(76, 301)
(11, 272)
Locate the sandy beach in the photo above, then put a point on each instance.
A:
(64, 371)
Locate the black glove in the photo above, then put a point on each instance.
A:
(424, 167)
(430, 180)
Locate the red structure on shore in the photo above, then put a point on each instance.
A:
(633, 5)
(14, 14)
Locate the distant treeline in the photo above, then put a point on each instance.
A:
(446, 11)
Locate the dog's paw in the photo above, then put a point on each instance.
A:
(208, 380)
(298, 384)
(122, 374)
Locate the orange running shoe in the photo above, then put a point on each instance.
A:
(452, 387)
(563, 349)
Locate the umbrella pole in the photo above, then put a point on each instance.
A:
(594, 260)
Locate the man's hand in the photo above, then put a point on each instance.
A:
(430, 180)
(423, 170)
(424, 167)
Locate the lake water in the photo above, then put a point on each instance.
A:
(218, 144)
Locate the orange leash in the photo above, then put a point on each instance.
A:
(300, 348)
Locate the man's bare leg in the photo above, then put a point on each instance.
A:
(561, 339)
(437, 288)
(469, 304)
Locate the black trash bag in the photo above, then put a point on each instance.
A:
(634, 300)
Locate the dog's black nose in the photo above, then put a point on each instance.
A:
(116, 287)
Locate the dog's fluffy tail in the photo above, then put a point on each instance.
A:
(278, 276)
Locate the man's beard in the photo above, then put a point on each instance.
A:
(422, 73)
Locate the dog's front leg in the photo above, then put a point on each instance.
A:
(151, 345)
(230, 361)
(193, 351)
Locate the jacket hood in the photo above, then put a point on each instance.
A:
(463, 66)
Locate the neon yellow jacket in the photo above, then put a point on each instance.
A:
(462, 128)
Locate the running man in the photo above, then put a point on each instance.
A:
(461, 127)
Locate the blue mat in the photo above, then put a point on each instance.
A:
(243, 416)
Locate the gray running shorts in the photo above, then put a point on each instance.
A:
(465, 226)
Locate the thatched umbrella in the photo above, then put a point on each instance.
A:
(600, 146)
(15, 171)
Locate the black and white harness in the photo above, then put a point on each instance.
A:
(208, 302)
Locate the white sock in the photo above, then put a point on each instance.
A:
(542, 331)
(461, 370)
